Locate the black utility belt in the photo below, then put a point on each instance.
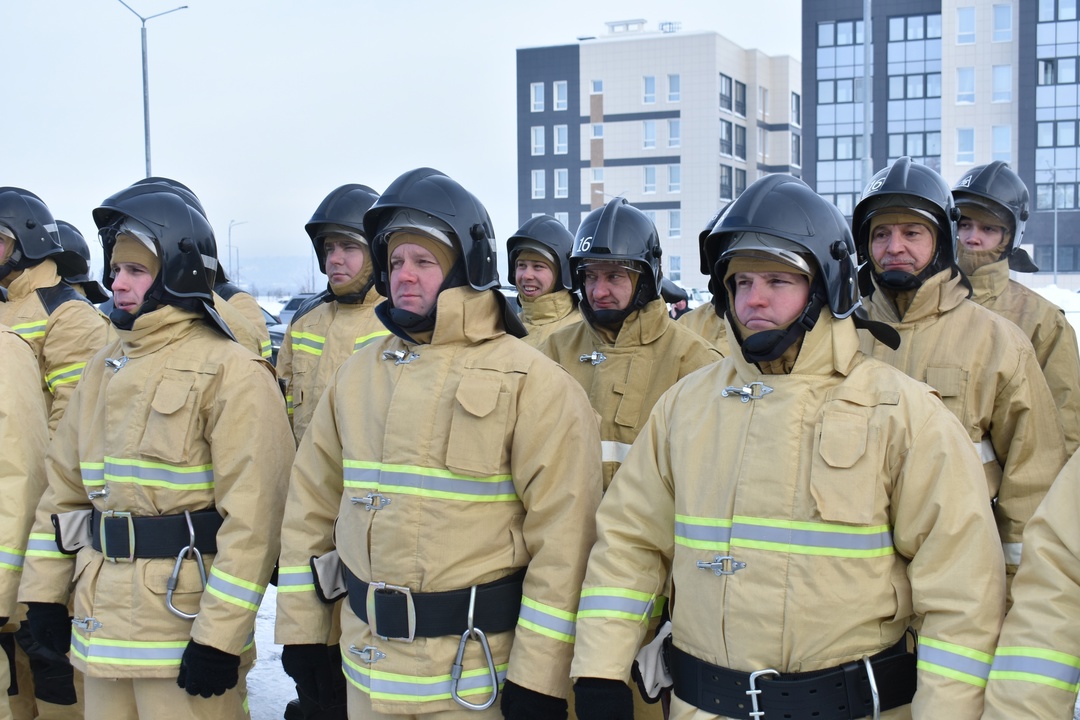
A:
(123, 536)
(840, 693)
(396, 613)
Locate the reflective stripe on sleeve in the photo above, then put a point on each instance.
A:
(93, 473)
(702, 533)
(610, 602)
(365, 339)
(546, 620)
(34, 329)
(289, 404)
(985, 449)
(13, 558)
(234, 590)
(298, 578)
(44, 545)
(427, 482)
(1037, 665)
(307, 342)
(954, 661)
(412, 688)
(611, 451)
(64, 375)
(267, 350)
(154, 474)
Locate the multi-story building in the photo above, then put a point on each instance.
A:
(676, 122)
(954, 83)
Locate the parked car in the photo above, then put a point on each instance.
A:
(292, 306)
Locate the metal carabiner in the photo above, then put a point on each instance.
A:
(873, 687)
(455, 669)
(190, 552)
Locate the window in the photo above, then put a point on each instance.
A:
(845, 148)
(896, 29)
(915, 144)
(826, 92)
(597, 87)
(826, 32)
(933, 85)
(649, 179)
(1066, 10)
(1002, 23)
(564, 218)
(725, 92)
(537, 91)
(538, 140)
(649, 93)
(674, 218)
(1002, 83)
(725, 137)
(675, 265)
(597, 175)
(1047, 72)
(740, 142)
(965, 145)
(965, 85)
(1045, 135)
(558, 89)
(1066, 70)
(825, 147)
(933, 26)
(916, 29)
(763, 102)
(674, 133)
(725, 182)
(965, 25)
(674, 180)
(648, 134)
(740, 98)
(762, 143)
(597, 131)
(674, 91)
(740, 181)
(916, 86)
(562, 183)
(1002, 143)
(796, 150)
(845, 33)
(796, 109)
(561, 139)
(1066, 133)
(538, 191)
(845, 90)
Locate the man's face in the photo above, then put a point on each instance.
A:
(974, 235)
(344, 258)
(533, 278)
(906, 247)
(130, 282)
(415, 278)
(608, 286)
(770, 300)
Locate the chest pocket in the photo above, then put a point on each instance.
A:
(478, 442)
(846, 470)
(631, 394)
(952, 385)
(171, 424)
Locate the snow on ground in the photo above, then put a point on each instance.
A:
(269, 688)
(1067, 300)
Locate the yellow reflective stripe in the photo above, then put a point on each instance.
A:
(808, 538)
(307, 342)
(365, 339)
(99, 651)
(33, 329)
(427, 482)
(289, 404)
(547, 620)
(954, 661)
(234, 590)
(267, 350)
(155, 474)
(64, 375)
(702, 533)
(1038, 665)
(410, 688)
(612, 602)
(297, 578)
(93, 473)
(44, 545)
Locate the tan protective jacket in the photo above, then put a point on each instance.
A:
(63, 341)
(987, 374)
(1036, 672)
(547, 314)
(705, 322)
(24, 435)
(485, 457)
(316, 345)
(162, 423)
(624, 376)
(237, 313)
(1050, 333)
(829, 483)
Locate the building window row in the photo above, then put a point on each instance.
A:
(1057, 71)
(562, 183)
(914, 144)
(674, 93)
(1000, 143)
(914, 27)
(841, 147)
(674, 184)
(847, 90)
(843, 32)
(1061, 133)
(732, 140)
(1055, 10)
(558, 91)
(562, 139)
(732, 95)
(915, 86)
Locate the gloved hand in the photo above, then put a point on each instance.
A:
(50, 625)
(603, 699)
(521, 703)
(3, 621)
(207, 671)
(316, 670)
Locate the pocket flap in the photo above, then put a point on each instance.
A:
(843, 439)
(171, 395)
(478, 395)
(947, 381)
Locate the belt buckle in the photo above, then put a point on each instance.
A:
(373, 622)
(131, 535)
(754, 691)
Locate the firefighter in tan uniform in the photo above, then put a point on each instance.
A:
(73, 242)
(707, 319)
(24, 431)
(164, 502)
(981, 364)
(993, 203)
(629, 350)
(539, 254)
(809, 502)
(457, 472)
(329, 327)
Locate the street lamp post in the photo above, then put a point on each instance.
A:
(146, 78)
(231, 268)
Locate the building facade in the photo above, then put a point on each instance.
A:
(678, 123)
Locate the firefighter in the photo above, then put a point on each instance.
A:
(808, 500)
(539, 254)
(162, 502)
(73, 242)
(982, 365)
(707, 319)
(332, 325)
(994, 208)
(455, 473)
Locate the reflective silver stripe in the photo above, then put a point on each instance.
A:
(434, 482)
(694, 534)
(68, 376)
(12, 557)
(41, 544)
(127, 652)
(395, 686)
(366, 339)
(1012, 552)
(267, 348)
(611, 451)
(294, 577)
(985, 449)
(92, 473)
(234, 590)
(607, 602)
(801, 537)
(544, 620)
(951, 661)
(1010, 661)
(301, 341)
(142, 472)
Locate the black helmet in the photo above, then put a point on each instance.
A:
(179, 188)
(29, 220)
(999, 191)
(548, 235)
(619, 232)
(907, 186)
(345, 206)
(76, 251)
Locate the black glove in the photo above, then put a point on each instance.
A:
(521, 703)
(50, 625)
(316, 670)
(54, 678)
(3, 621)
(207, 671)
(603, 699)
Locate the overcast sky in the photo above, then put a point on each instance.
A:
(264, 107)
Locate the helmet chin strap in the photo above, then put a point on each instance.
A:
(768, 345)
(899, 280)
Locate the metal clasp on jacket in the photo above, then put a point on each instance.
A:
(596, 357)
(455, 669)
(103, 493)
(748, 392)
(410, 610)
(104, 538)
(369, 653)
(721, 565)
(190, 553)
(754, 691)
(116, 364)
(87, 623)
(400, 357)
(371, 501)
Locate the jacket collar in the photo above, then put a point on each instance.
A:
(938, 294)
(831, 347)
(42, 275)
(989, 281)
(641, 327)
(466, 316)
(156, 329)
(547, 308)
